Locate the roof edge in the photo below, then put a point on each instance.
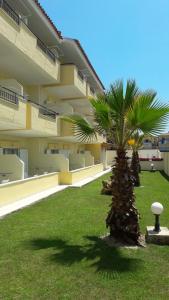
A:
(48, 18)
(87, 59)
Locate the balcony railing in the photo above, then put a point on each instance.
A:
(9, 10)
(12, 97)
(44, 111)
(45, 49)
(80, 74)
(92, 90)
(8, 95)
(47, 112)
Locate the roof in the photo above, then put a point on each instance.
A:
(75, 40)
(88, 61)
(47, 17)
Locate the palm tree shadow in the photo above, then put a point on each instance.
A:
(100, 256)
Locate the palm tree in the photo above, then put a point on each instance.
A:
(136, 142)
(119, 113)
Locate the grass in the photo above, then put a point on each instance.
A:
(51, 250)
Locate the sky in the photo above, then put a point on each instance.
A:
(122, 38)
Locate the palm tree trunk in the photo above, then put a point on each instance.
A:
(135, 168)
(123, 217)
(139, 166)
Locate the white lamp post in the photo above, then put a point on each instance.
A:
(157, 209)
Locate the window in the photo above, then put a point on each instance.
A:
(11, 151)
(54, 151)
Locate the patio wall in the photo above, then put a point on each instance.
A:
(89, 159)
(50, 163)
(110, 157)
(17, 190)
(81, 174)
(11, 164)
(96, 151)
(76, 161)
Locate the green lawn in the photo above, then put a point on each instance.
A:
(52, 250)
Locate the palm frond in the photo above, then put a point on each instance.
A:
(83, 129)
(148, 115)
(102, 115)
(132, 92)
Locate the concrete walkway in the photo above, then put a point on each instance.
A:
(7, 209)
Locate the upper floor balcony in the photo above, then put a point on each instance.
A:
(24, 117)
(72, 84)
(91, 93)
(12, 110)
(42, 121)
(22, 54)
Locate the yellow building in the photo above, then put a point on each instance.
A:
(43, 76)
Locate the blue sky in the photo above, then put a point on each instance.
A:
(123, 38)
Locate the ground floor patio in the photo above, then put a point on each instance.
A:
(30, 165)
(52, 250)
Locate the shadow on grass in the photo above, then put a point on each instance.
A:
(164, 175)
(102, 257)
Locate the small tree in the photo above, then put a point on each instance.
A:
(119, 113)
(136, 142)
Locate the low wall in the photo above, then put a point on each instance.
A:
(143, 153)
(10, 163)
(77, 175)
(147, 153)
(89, 159)
(50, 163)
(110, 157)
(146, 165)
(76, 161)
(17, 190)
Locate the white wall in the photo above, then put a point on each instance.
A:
(10, 163)
(50, 163)
(146, 165)
(76, 161)
(143, 153)
(110, 157)
(89, 159)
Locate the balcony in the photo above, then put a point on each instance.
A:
(8, 95)
(22, 54)
(91, 93)
(12, 110)
(66, 129)
(8, 9)
(41, 121)
(72, 84)
(26, 118)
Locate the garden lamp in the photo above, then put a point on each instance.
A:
(157, 209)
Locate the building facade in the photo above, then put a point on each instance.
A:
(43, 76)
